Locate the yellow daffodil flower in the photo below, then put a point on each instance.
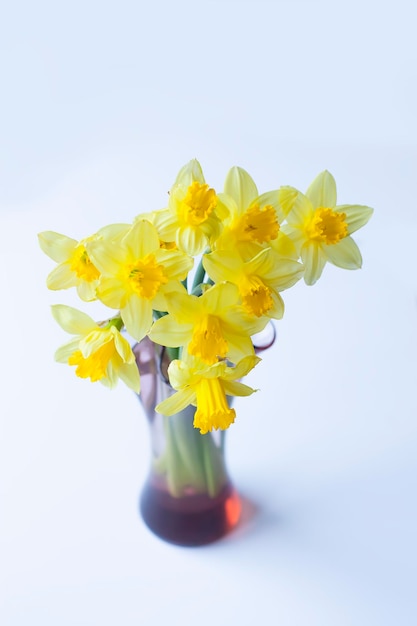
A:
(206, 387)
(191, 219)
(136, 274)
(252, 220)
(75, 267)
(211, 326)
(259, 280)
(320, 229)
(98, 352)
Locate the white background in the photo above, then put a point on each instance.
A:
(101, 104)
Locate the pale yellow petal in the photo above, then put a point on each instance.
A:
(241, 187)
(223, 265)
(58, 247)
(284, 246)
(232, 388)
(322, 191)
(301, 210)
(345, 254)
(278, 308)
(243, 367)
(94, 341)
(87, 290)
(168, 332)
(219, 297)
(64, 352)
(356, 215)
(129, 374)
(71, 320)
(122, 346)
(177, 402)
(180, 373)
(107, 256)
(191, 240)
(111, 378)
(286, 197)
(142, 239)
(190, 173)
(61, 277)
(313, 260)
(176, 264)
(183, 306)
(239, 345)
(112, 232)
(112, 292)
(271, 198)
(137, 316)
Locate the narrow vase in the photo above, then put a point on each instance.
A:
(188, 498)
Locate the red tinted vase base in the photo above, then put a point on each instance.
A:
(192, 520)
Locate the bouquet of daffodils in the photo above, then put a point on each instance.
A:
(200, 277)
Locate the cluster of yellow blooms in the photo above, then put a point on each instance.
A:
(250, 248)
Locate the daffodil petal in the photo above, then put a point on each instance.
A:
(278, 308)
(190, 173)
(123, 347)
(356, 215)
(220, 297)
(61, 277)
(222, 265)
(238, 344)
(111, 378)
(241, 187)
(284, 246)
(301, 209)
(176, 264)
(106, 256)
(58, 247)
(142, 239)
(322, 191)
(183, 306)
(177, 402)
(87, 290)
(137, 316)
(286, 197)
(64, 352)
(313, 260)
(129, 374)
(345, 254)
(113, 232)
(191, 240)
(243, 367)
(168, 332)
(94, 341)
(271, 198)
(71, 320)
(111, 292)
(233, 388)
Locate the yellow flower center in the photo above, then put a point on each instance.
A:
(146, 277)
(256, 297)
(81, 264)
(198, 204)
(212, 408)
(327, 226)
(260, 225)
(95, 365)
(208, 342)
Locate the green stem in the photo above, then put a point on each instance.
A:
(199, 276)
(190, 459)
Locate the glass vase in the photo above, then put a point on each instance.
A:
(188, 498)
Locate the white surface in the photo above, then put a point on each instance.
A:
(100, 108)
